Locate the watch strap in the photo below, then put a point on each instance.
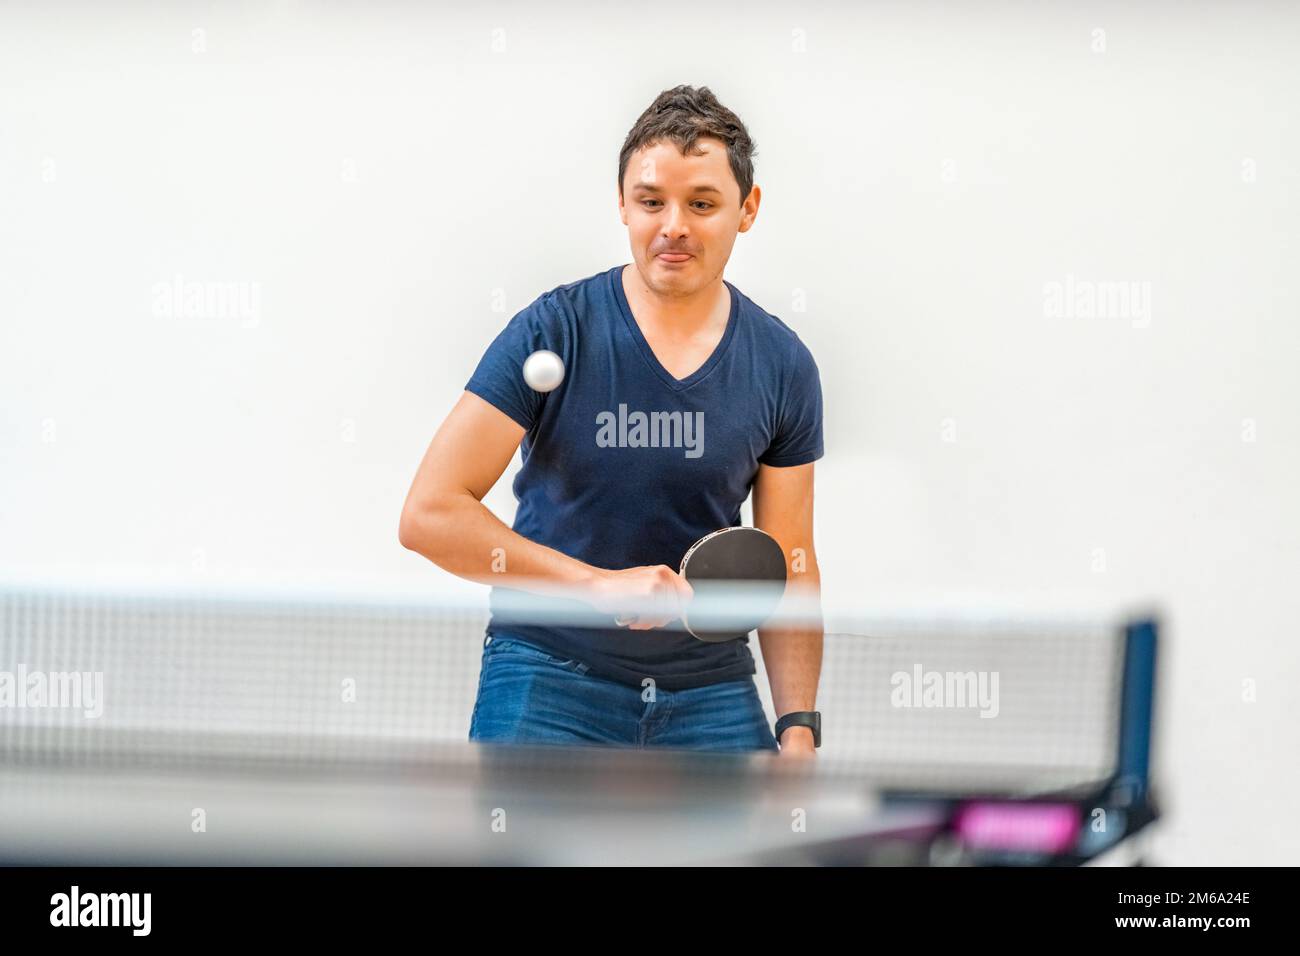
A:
(801, 718)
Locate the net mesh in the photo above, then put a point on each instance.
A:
(955, 702)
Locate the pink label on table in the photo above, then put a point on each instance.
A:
(1045, 827)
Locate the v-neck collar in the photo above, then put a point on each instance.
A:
(677, 384)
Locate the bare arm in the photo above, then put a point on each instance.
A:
(444, 517)
(783, 507)
(445, 520)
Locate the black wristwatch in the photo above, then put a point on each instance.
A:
(801, 718)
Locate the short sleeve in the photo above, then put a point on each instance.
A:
(499, 377)
(798, 438)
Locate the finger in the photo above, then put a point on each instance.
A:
(681, 594)
(674, 606)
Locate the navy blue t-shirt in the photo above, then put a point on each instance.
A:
(624, 465)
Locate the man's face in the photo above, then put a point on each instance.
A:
(682, 214)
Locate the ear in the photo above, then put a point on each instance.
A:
(750, 209)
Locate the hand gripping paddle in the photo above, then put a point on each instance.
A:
(738, 576)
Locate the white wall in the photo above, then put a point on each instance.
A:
(393, 187)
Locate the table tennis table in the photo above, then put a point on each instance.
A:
(498, 804)
(223, 742)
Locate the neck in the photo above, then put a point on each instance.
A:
(686, 314)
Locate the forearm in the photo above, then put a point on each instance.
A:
(793, 659)
(462, 536)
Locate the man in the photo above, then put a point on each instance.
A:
(680, 395)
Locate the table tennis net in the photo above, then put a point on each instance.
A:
(996, 703)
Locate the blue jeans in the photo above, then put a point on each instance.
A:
(529, 696)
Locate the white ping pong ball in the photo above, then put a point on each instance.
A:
(543, 371)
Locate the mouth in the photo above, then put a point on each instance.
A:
(673, 257)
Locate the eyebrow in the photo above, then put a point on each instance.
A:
(698, 189)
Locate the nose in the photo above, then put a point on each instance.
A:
(675, 226)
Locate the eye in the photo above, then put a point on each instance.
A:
(699, 203)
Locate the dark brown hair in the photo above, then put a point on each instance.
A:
(683, 115)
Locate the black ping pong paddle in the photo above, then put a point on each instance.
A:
(738, 576)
